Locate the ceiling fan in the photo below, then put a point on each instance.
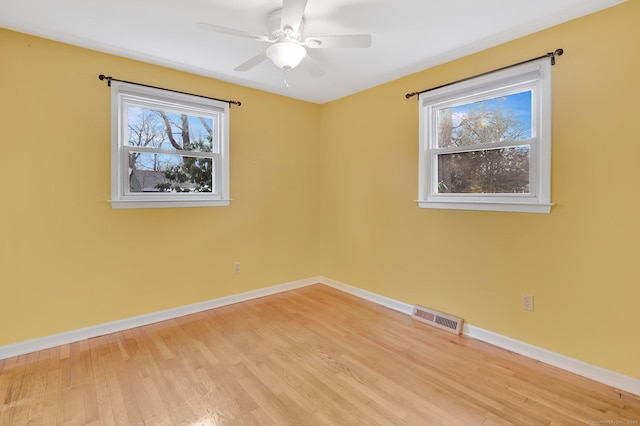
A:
(288, 47)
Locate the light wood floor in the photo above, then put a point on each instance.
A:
(313, 356)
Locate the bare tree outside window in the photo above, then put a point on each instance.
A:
(482, 168)
(192, 174)
(144, 130)
(164, 172)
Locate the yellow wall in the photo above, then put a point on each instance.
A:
(581, 262)
(68, 260)
(327, 190)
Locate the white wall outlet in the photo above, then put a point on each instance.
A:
(527, 302)
(236, 267)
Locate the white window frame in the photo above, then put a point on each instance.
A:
(124, 94)
(534, 76)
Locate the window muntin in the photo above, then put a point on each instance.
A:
(168, 149)
(485, 143)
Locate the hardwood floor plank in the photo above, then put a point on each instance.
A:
(112, 362)
(309, 356)
(98, 351)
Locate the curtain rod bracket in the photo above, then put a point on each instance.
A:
(551, 55)
(557, 52)
(109, 79)
(104, 77)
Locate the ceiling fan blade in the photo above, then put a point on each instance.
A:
(292, 12)
(246, 66)
(231, 31)
(312, 67)
(327, 42)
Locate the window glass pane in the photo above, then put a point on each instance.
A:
(486, 121)
(149, 172)
(169, 130)
(491, 171)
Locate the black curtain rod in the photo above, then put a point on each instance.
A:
(552, 55)
(110, 79)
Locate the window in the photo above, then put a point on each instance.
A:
(168, 149)
(485, 143)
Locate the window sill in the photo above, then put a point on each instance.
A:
(151, 204)
(487, 206)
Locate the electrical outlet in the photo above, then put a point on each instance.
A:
(236, 268)
(527, 302)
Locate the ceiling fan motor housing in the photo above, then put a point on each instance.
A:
(274, 23)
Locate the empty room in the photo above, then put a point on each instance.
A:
(318, 212)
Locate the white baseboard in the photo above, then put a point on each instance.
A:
(611, 378)
(599, 374)
(396, 305)
(54, 340)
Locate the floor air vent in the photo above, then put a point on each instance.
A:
(438, 319)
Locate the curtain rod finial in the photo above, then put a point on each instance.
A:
(552, 55)
(104, 77)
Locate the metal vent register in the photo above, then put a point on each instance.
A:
(438, 319)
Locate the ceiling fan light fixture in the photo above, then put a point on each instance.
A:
(286, 55)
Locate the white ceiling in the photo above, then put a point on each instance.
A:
(408, 35)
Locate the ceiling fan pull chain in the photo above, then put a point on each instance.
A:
(286, 83)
